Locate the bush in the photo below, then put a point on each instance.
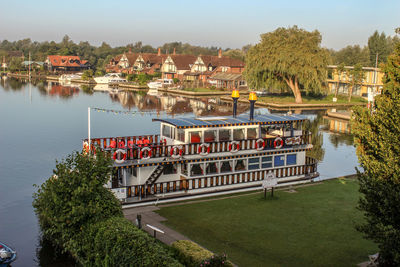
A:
(216, 261)
(117, 242)
(87, 75)
(176, 80)
(189, 253)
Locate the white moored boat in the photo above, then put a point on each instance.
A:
(160, 83)
(110, 78)
(198, 155)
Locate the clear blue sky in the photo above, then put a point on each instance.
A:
(208, 23)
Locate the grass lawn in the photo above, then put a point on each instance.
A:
(310, 99)
(201, 89)
(313, 227)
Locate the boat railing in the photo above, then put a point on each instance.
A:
(156, 148)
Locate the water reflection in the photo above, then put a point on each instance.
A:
(49, 256)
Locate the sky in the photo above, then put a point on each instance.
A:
(221, 23)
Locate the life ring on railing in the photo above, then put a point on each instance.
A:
(201, 150)
(148, 149)
(260, 144)
(278, 143)
(115, 156)
(234, 146)
(176, 152)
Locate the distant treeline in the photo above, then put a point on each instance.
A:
(378, 44)
(99, 56)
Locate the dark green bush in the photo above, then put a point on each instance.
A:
(189, 253)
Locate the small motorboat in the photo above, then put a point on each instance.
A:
(7, 255)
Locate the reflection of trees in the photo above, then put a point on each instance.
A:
(341, 138)
(49, 256)
(318, 151)
(88, 90)
(14, 84)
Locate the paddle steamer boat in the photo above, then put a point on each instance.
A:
(209, 154)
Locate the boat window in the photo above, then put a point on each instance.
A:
(226, 166)
(224, 135)
(211, 168)
(170, 169)
(254, 163)
(195, 137)
(180, 136)
(197, 169)
(184, 168)
(133, 172)
(252, 133)
(279, 161)
(238, 134)
(166, 131)
(266, 162)
(210, 136)
(291, 159)
(240, 165)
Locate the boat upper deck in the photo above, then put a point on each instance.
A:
(230, 121)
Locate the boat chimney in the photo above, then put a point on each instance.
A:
(235, 97)
(252, 99)
(220, 53)
(159, 51)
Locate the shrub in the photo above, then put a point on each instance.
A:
(190, 253)
(117, 242)
(176, 80)
(216, 261)
(87, 75)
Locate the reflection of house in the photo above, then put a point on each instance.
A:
(62, 91)
(136, 63)
(58, 63)
(372, 80)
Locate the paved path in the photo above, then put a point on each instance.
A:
(152, 218)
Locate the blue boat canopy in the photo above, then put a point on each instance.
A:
(230, 121)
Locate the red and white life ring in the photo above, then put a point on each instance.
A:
(278, 143)
(143, 150)
(234, 146)
(115, 156)
(176, 152)
(260, 144)
(204, 149)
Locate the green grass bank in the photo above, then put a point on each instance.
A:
(312, 227)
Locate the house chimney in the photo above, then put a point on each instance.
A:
(220, 53)
(174, 51)
(252, 99)
(130, 50)
(235, 97)
(159, 52)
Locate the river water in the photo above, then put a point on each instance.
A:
(44, 121)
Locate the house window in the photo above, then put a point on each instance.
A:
(251, 133)
(224, 135)
(197, 169)
(240, 165)
(226, 166)
(211, 168)
(210, 136)
(279, 160)
(291, 159)
(266, 162)
(254, 163)
(170, 169)
(238, 134)
(195, 137)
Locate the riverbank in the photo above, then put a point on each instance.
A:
(303, 225)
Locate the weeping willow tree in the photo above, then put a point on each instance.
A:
(289, 58)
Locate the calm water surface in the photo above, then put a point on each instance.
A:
(41, 122)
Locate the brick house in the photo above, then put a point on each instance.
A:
(56, 63)
(175, 66)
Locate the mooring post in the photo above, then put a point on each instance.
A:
(272, 192)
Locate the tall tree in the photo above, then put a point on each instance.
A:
(356, 76)
(291, 58)
(379, 44)
(378, 148)
(351, 55)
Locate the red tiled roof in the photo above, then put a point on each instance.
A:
(216, 61)
(65, 61)
(182, 62)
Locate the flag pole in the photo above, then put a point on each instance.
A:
(89, 128)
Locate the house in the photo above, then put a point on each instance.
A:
(56, 63)
(175, 66)
(137, 63)
(371, 83)
(221, 71)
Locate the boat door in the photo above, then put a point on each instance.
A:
(184, 184)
